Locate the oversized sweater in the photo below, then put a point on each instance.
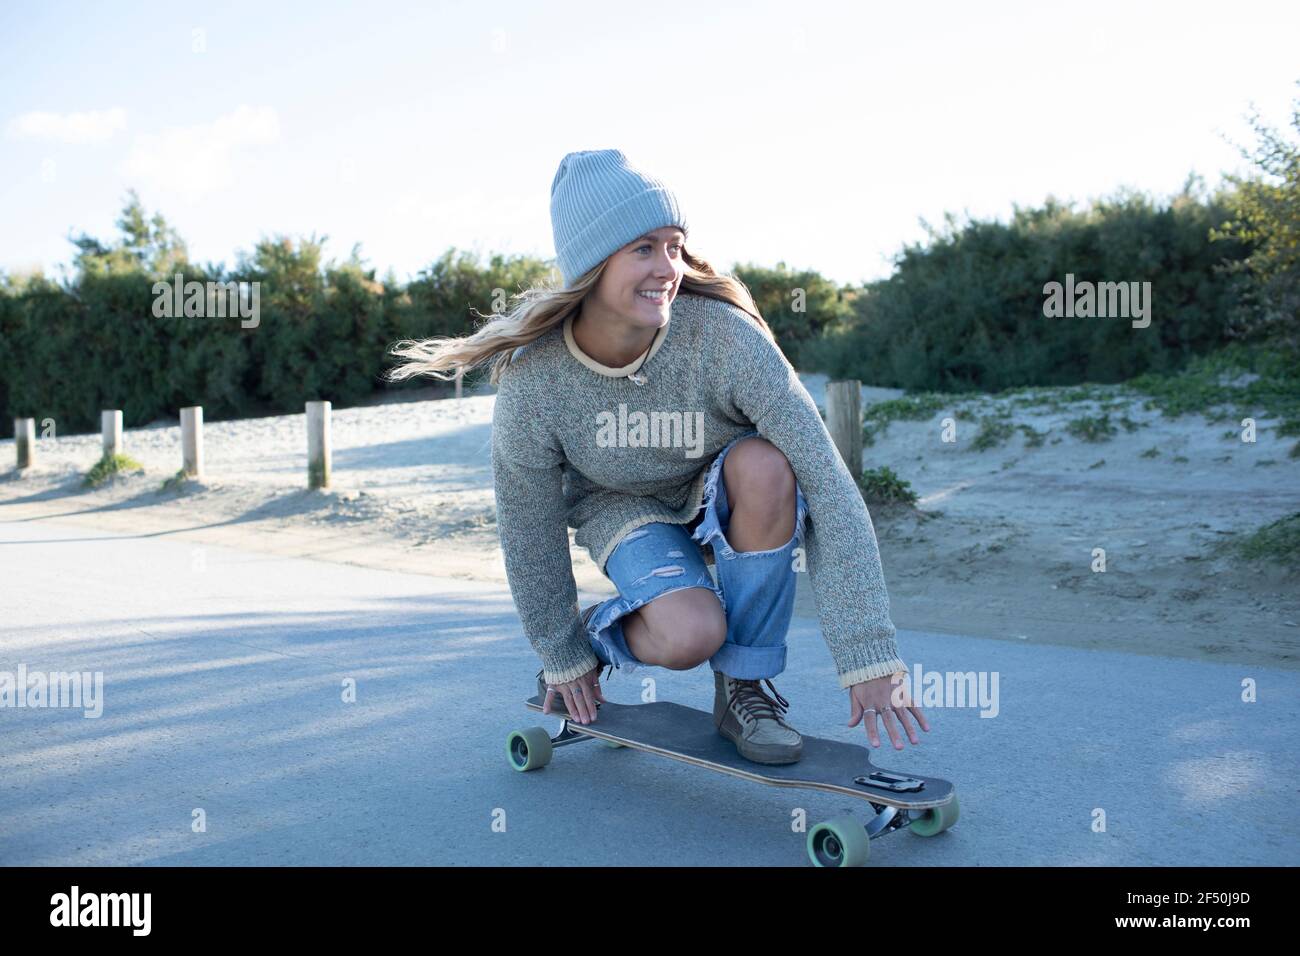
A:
(577, 444)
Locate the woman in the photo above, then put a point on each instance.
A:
(647, 405)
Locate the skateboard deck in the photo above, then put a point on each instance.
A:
(928, 805)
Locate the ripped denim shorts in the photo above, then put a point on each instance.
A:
(755, 588)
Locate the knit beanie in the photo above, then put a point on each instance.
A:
(599, 203)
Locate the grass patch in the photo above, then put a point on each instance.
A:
(1092, 428)
(883, 486)
(1055, 398)
(1152, 452)
(1289, 429)
(1278, 542)
(1248, 379)
(876, 418)
(175, 482)
(993, 432)
(1033, 437)
(107, 467)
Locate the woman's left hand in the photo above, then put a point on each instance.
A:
(886, 698)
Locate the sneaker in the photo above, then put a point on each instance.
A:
(754, 722)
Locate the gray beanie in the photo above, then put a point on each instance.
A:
(599, 203)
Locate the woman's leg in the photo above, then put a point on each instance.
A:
(678, 630)
(761, 494)
(754, 523)
(668, 611)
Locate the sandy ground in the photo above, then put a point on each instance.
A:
(1002, 546)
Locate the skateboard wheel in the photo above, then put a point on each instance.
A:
(839, 842)
(529, 749)
(611, 744)
(936, 819)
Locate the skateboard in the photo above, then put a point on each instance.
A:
(925, 805)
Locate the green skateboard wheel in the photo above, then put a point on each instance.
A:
(839, 842)
(529, 749)
(937, 819)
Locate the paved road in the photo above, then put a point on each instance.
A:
(223, 686)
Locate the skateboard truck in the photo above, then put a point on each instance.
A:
(884, 780)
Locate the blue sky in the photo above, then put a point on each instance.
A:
(814, 133)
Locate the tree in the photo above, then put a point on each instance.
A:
(146, 245)
(1266, 215)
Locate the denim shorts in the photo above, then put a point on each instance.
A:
(755, 588)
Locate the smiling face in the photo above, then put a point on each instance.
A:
(640, 281)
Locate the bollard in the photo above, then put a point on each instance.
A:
(844, 421)
(192, 441)
(111, 426)
(318, 444)
(25, 441)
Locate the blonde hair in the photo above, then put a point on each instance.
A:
(541, 308)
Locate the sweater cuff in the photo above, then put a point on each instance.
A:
(569, 661)
(869, 660)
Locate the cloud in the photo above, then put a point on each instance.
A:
(91, 127)
(193, 160)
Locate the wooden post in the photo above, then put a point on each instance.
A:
(318, 444)
(844, 421)
(192, 441)
(25, 441)
(111, 426)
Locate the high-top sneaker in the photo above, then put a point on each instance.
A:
(754, 722)
(557, 703)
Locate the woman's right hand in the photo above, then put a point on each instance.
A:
(580, 696)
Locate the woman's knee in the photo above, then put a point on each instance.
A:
(688, 625)
(757, 472)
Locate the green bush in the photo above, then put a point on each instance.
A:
(107, 467)
(70, 349)
(1092, 428)
(1033, 437)
(1278, 542)
(993, 432)
(799, 306)
(964, 309)
(882, 486)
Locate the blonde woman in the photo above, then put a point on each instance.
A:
(646, 404)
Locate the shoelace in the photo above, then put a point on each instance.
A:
(754, 704)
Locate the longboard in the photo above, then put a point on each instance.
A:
(925, 805)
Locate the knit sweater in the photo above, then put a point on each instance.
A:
(577, 444)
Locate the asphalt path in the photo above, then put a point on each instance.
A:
(258, 709)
